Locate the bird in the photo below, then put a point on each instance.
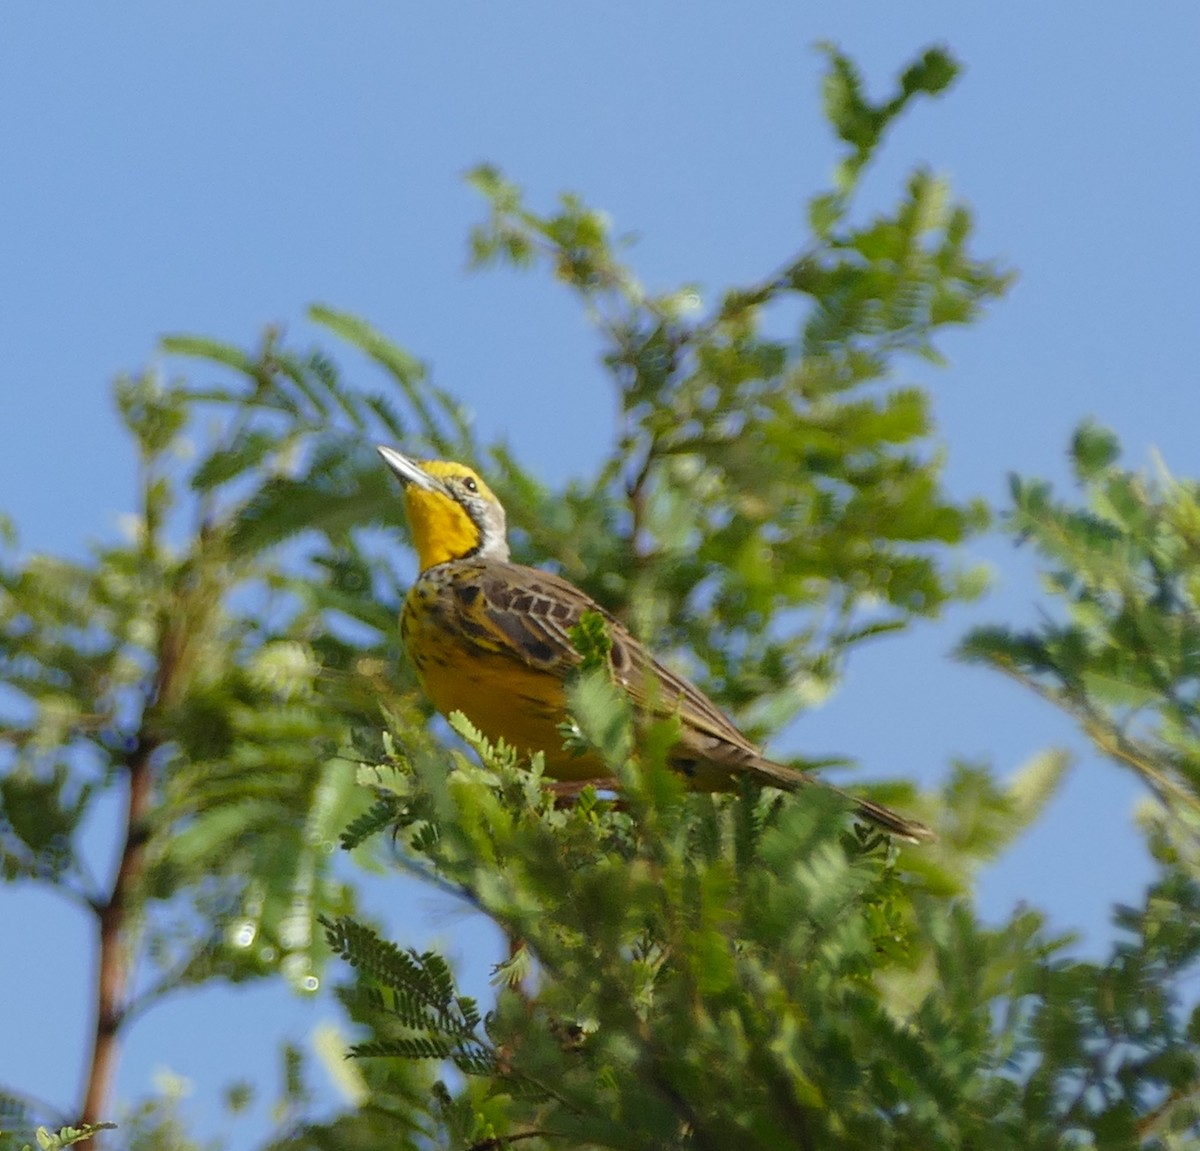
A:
(492, 639)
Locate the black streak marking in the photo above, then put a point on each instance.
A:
(473, 628)
(539, 650)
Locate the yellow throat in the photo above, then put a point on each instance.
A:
(452, 513)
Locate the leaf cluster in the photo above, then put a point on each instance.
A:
(63, 1137)
(213, 668)
(698, 971)
(1122, 652)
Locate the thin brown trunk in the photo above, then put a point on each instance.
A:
(112, 983)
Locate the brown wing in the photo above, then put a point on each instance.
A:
(533, 612)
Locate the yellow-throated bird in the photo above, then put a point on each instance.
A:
(491, 639)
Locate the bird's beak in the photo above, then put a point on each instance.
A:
(408, 470)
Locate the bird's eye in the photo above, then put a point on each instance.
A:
(470, 484)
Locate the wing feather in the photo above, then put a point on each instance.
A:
(534, 611)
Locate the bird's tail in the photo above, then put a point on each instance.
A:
(789, 779)
(899, 825)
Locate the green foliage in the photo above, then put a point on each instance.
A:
(591, 640)
(417, 991)
(1123, 655)
(684, 949)
(63, 1137)
(140, 669)
(860, 123)
(744, 971)
(1120, 656)
(210, 677)
(1116, 1043)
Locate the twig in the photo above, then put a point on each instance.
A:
(501, 1141)
(1151, 1122)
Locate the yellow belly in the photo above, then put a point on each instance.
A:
(501, 696)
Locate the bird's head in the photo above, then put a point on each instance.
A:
(453, 514)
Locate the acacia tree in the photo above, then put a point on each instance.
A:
(691, 971)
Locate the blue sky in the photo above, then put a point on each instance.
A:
(216, 168)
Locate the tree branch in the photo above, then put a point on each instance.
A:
(113, 967)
